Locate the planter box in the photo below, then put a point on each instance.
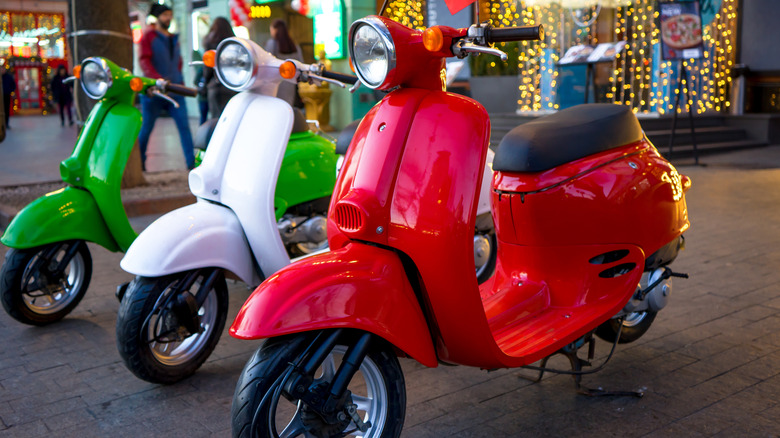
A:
(498, 94)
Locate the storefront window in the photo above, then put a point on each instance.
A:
(51, 41)
(5, 35)
(24, 39)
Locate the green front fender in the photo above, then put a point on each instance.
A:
(65, 214)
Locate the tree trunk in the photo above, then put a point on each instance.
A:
(102, 28)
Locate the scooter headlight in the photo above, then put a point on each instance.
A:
(372, 51)
(235, 64)
(95, 77)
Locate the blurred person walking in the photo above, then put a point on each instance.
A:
(200, 84)
(62, 94)
(9, 86)
(160, 57)
(282, 46)
(218, 94)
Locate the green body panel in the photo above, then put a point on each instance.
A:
(111, 148)
(92, 210)
(66, 214)
(308, 171)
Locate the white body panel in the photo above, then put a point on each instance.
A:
(200, 235)
(239, 171)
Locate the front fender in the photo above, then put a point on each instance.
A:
(199, 235)
(358, 286)
(65, 214)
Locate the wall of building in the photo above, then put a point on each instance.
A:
(760, 35)
(35, 6)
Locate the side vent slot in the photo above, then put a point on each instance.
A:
(609, 257)
(349, 217)
(617, 271)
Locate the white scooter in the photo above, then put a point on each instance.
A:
(172, 314)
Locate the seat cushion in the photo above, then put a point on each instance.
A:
(565, 136)
(345, 137)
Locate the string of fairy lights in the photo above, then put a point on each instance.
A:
(639, 78)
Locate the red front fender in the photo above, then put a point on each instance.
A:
(358, 286)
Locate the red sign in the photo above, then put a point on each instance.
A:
(456, 6)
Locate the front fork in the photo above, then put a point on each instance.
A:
(328, 399)
(181, 302)
(49, 267)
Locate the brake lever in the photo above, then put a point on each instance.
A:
(475, 48)
(156, 92)
(354, 88)
(69, 79)
(324, 79)
(194, 63)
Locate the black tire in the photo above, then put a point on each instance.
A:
(490, 267)
(261, 375)
(634, 326)
(19, 292)
(141, 355)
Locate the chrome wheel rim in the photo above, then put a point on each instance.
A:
(53, 298)
(482, 252)
(369, 393)
(633, 319)
(310, 247)
(175, 353)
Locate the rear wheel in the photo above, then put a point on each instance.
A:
(161, 333)
(634, 326)
(41, 285)
(261, 408)
(485, 253)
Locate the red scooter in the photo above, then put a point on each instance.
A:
(585, 208)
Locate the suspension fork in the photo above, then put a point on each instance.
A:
(326, 399)
(43, 265)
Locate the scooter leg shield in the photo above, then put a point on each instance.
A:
(196, 236)
(65, 214)
(358, 286)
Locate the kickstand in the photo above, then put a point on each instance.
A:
(570, 351)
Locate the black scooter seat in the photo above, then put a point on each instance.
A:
(565, 136)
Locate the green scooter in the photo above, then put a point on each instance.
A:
(48, 268)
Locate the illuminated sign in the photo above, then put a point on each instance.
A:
(328, 27)
(260, 12)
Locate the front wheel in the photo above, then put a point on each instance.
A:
(41, 285)
(261, 409)
(162, 334)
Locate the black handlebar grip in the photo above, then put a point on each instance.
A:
(181, 89)
(347, 79)
(521, 33)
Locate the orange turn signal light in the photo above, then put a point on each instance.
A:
(136, 84)
(288, 69)
(210, 58)
(433, 39)
(351, 65)
(77, 71)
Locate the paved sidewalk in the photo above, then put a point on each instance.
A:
(710, 365)
(35, 145)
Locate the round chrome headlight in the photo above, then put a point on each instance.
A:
(95, 77)
(372, 51)
(235, 65)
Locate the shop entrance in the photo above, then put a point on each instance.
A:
(28, 88)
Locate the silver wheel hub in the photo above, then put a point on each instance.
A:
(182, 346)
(368, 393)
(482, 252)
(45, 294)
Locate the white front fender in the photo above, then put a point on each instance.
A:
(200, 235)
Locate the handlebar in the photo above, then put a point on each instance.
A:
(181, 89)
(520, 33)
(347, 79)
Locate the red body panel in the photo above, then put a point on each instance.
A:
(413, 173)
(609, 202)
(358, 286)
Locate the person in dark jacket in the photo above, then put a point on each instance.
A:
(62, 93)
(160, 57)
(218, 94)
(9, 86)
(282, 46)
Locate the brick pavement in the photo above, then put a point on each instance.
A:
(710, 365)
